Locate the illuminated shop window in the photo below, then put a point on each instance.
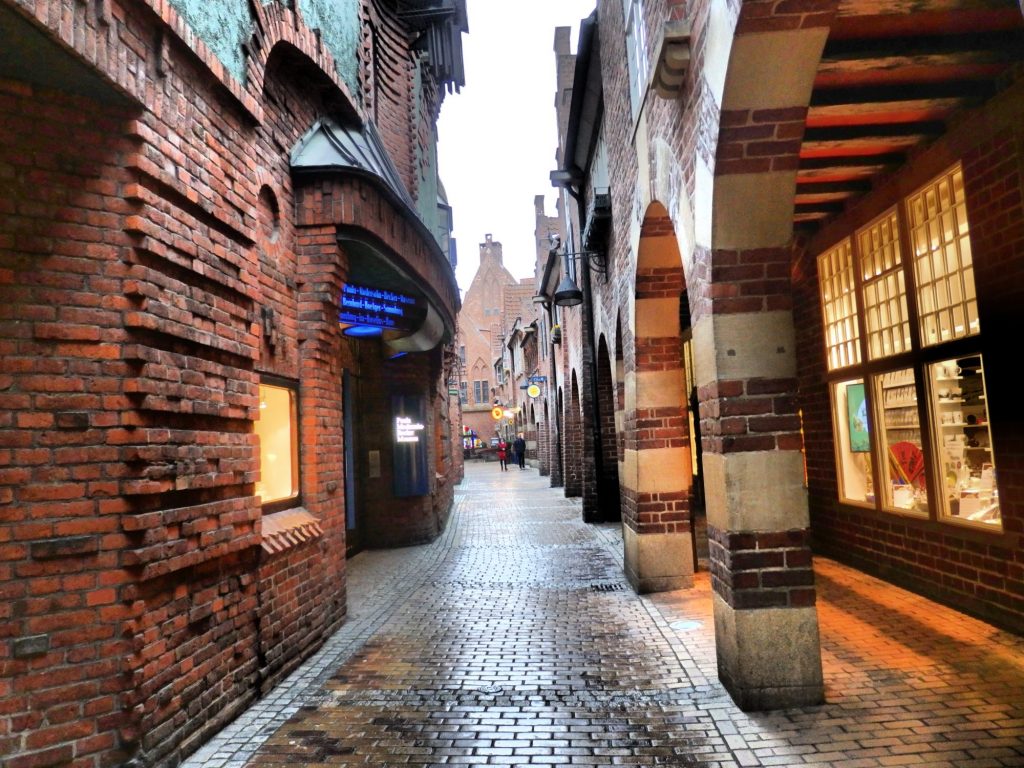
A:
(904, 485)
(943, 268)
(839, 306)
(277, 429)
(967, 467)
(912, 436)
(853, 441)
(885, 293)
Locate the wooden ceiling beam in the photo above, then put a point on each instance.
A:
(872, 132)
(1000, 45)
(852, 186)
(968, 91)
(859, 163)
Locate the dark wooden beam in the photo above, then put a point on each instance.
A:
(853, 186)
(875, 132)
(825, 208)
(880, 162)
(1000, 45)
(962, 90)
(910, 7)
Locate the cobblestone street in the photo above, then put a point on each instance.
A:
(515, 640)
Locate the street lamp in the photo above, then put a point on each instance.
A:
(568, 294)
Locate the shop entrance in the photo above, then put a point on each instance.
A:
(353, 518)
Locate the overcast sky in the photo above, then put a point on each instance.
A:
(497, 137)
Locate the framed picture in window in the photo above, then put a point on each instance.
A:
(857, 413)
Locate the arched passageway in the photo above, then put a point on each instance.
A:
(608, 471)
(657, 534)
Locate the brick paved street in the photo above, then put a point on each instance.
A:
(514, 640)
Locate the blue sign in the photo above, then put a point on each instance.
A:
(379, 308)
(538, 379)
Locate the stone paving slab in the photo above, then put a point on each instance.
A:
(514, 640)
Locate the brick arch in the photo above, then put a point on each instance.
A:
(280, 30)
(609, 507)
(744, 345)
(556, 441)
(572, 441)
(655, 489)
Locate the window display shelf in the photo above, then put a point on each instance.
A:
(949, 378)
(901, 404)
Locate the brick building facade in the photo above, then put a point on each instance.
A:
(798, 228)
(189, 439)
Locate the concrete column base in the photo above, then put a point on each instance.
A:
(657, 562)
(769, 658)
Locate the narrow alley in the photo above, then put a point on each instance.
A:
(513, 639)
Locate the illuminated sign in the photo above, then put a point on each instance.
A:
(379, 308)
(407, 430)
(497, 412)
(533, 390)
(410, 451)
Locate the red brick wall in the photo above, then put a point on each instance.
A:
(138, 255)
(980, 572)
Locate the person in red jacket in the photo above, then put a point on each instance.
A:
(503, 455)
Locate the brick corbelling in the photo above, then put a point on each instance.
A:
(759, 569)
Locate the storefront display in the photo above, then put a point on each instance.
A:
(853, 428)
(912, 438)
(963, 440)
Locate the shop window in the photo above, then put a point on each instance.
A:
(963, 440)
(885, 293)
(943, 268)
(912, 432)
(853, 443)
(277, 429)
(839, 306)
(464, 392)
(904, 485)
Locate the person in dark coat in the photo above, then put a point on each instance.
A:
(519, 447)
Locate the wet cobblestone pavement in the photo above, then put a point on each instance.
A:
(514, 640)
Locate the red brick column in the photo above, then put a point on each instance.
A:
(656, 476)
(745, 344)
(572, 443)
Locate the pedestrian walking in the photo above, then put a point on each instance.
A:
(519, 446)
(503, 455)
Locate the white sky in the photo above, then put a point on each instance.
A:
(497, 137)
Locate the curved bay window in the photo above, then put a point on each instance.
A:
(902, 337)
(278, 430)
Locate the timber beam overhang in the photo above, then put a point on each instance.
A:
(892, 76)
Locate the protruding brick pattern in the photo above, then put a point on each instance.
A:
(762, 569)
(751, 415)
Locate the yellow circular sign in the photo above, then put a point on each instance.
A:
(497, 412)
(533, 390)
